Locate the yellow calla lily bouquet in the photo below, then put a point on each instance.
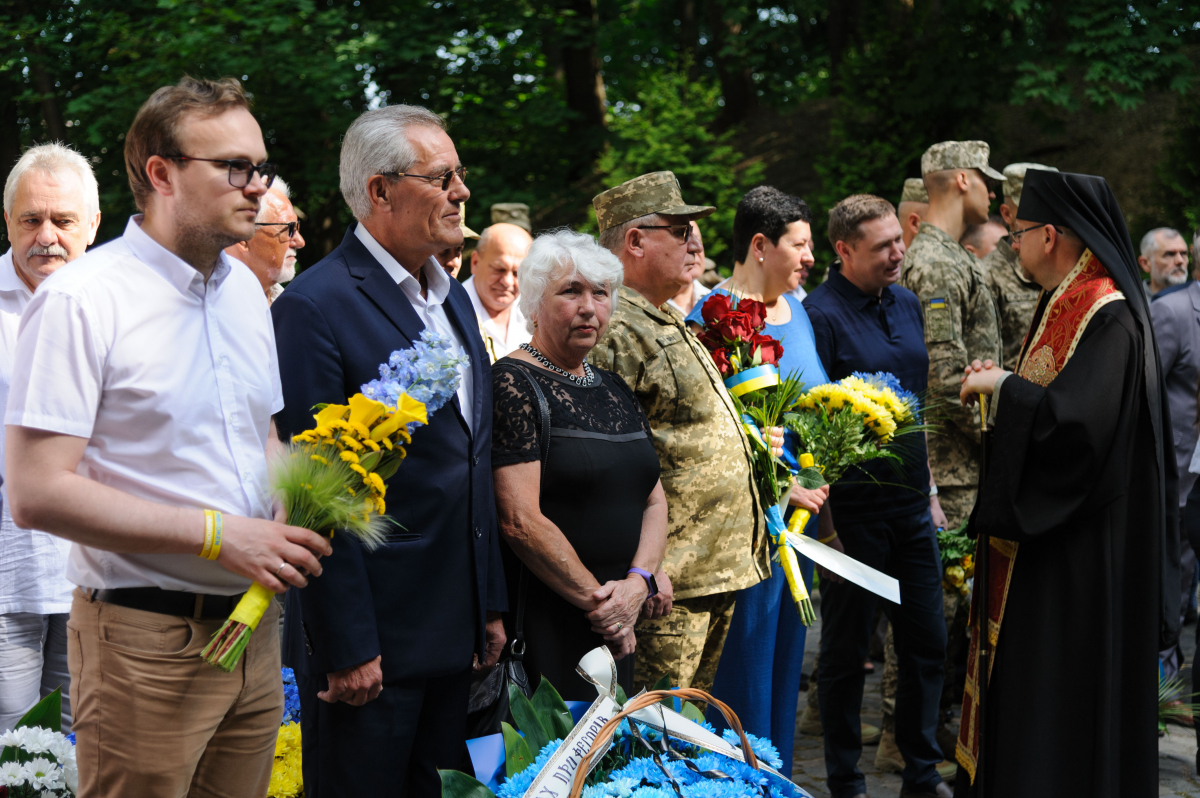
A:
(333, 476)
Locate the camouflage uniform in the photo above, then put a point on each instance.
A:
(716, 534)
(1015, 298)
(512, 213)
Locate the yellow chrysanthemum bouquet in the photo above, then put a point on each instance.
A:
(332, 477)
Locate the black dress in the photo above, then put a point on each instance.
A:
(600, 471)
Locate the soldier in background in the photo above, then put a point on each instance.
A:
(512, 213)
(716, 535)
(981, 239)
(452, 258)
(961, 322)
(1014, 293)
(914, 204)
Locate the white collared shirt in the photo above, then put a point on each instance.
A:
(429, 307)
(32, 563)
(172, 381)
(504, 341)
(699, 291)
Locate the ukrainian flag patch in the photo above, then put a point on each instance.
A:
(939, 325)
(936, 304)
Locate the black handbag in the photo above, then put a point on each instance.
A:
(488, 703)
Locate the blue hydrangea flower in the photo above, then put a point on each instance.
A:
(428, 372)
(762, 747)
(291, 697)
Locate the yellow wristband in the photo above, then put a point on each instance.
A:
(209, 525)
(217, 527)
(829, 539)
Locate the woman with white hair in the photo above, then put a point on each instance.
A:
(576, 475)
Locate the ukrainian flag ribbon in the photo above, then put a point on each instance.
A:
(754, 379)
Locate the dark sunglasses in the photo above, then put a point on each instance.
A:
(241, 171)
(445, 179)
(292, 227)
(683, 232)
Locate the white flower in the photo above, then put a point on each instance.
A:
(43, 774)
(71, 775)
(11, 774)
(38, 740)
(13, 737)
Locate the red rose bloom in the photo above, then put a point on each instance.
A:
(770, 348)
(712, 342)
(721, 358)
(715, 307)
(755, 312)
(734, 326)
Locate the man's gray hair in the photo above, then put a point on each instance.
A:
(51, 158)
(562, 253)
(1196, 247)
(613, 239)
(1149, 245)
(377, 143)
(279, 187)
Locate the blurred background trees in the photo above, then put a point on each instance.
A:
(551, 101)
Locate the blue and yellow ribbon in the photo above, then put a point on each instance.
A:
(754, 379)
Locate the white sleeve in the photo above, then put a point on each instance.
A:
(58, 369)
(276, 383)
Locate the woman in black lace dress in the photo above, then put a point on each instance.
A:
(587, 529)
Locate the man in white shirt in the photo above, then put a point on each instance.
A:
(492, 287)
(139, 418)
(52, 211)
(271, 253)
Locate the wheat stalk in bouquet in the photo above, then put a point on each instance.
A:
(332, 478)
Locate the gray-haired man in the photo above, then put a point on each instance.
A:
(1164, 256)
(52, 211)
(271, 254)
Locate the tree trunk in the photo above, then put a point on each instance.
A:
(49, 100)
(737, 82)
(580, 65)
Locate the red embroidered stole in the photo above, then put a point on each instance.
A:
(1085, 290)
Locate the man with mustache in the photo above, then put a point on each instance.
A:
(52, 211)
(271, 254)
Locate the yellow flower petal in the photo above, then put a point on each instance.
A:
(365, 411)
(407, 410)
(358, 469)
(318, 458)
(349, 457)
(331, 413)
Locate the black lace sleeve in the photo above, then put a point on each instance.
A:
(514, 420)
(627, 392)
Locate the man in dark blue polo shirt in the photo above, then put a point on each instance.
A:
(863, 322)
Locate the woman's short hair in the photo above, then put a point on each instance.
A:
(49, 159)
(377, 143)
(854, 211)
(155, 129)
(560, 253)
(768, 211)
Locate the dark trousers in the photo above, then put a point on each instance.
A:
(391, 747)
(906, 548)
(1189, 523)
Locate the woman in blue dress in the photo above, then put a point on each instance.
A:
(759, 672)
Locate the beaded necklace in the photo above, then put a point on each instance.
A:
(585, 381)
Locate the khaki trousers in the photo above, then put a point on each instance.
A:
(153, 720)
(685, 645)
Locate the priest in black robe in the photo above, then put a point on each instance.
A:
(1079, 508)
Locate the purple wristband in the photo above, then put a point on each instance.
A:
(651, 583)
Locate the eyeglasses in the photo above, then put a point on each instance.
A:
(292, 227)
(683, 232)
(241, 171)
(446, 178)
(1016, 234)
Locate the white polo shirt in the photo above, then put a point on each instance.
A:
(32, 563)
(172, 381)
(515, 334)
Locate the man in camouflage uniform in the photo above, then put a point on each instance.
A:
(1014, 293)
(961, 321)
(914, 204)
(716, 535)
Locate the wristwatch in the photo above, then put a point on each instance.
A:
(650, 581)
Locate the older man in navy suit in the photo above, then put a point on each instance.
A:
(383, 642)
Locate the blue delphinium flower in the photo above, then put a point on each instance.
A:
(762, 747)
(428, 372)
(291, 697)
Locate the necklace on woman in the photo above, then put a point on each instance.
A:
(588, 375)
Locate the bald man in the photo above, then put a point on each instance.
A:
(271, 253)
(492, 287)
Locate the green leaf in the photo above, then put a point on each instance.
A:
(460, 785)
(692, 712)
(620, 695)
(523, 712)
(46, 714)
(553, 710)
(516, 751)
(810, 478)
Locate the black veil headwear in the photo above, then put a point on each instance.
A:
(1086, 205)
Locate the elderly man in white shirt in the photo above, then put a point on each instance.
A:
(492, 287)
(52, 212)
(139, 419)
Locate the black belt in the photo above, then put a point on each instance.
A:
(198, 606)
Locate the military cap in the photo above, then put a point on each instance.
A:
(656, 192)
(958, 155)
(512, 213)
(1014, 178)
(462, 222)
(914, 191)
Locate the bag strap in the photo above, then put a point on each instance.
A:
(517, 651)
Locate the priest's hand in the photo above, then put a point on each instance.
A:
(978, 378)
(355, 685)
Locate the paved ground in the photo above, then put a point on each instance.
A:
(1176, 751)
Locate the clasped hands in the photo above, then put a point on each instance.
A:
(978, 378)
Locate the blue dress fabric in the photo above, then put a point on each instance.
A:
(759, 672)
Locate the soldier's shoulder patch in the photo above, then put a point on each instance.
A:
(939, 326)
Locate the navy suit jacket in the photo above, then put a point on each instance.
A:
(421, 599)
